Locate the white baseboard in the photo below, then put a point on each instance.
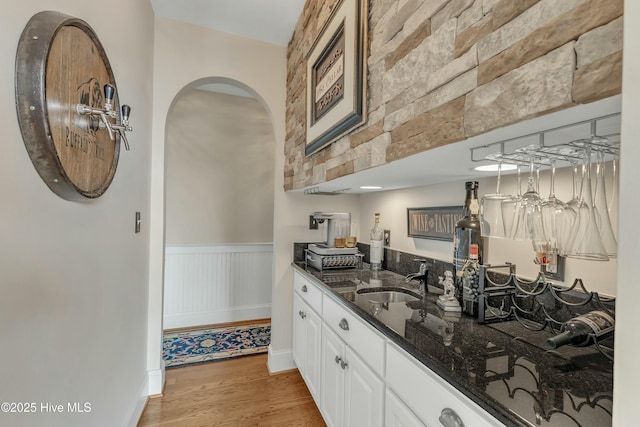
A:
(280, 360)
(152, 385)
(156, 381)
(141, 403)
(237, 314)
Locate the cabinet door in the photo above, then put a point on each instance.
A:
(332, 387)
(307, 344)
(313, 352)
(299, 335)
(364, 393)
(397, 414)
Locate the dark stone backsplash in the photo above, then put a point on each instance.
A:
(395, 261)
(405, 263)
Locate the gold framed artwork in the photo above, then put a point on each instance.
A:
(336, 76)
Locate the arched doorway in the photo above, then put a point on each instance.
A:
(219, 174)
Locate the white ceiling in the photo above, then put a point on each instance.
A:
(272, 21)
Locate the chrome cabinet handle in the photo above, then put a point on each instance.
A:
(341, 362)
(304, 288)
(344, 325)
(449, 418)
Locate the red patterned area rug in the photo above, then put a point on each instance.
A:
(206, 345)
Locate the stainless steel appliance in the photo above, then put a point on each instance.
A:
(325, 255)
(338, 225)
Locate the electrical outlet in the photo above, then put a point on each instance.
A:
(313, 223)
(387, 237)
(555, 271)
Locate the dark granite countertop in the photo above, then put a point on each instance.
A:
(504, 367)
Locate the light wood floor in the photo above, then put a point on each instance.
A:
(235, 392)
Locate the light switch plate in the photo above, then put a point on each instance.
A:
(313, 223)
(387, 237)
(138, 221)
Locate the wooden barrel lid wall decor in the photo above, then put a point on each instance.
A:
(60, 63)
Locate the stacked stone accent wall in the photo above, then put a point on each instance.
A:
(440, 71)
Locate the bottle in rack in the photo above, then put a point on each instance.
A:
(376, 248)
(580, 331)
(467, 251)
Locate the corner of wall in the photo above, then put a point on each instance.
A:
(152, 385)
(281, 360)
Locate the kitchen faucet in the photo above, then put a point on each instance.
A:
(421, 276)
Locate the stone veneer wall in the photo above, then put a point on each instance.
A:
(440, 71)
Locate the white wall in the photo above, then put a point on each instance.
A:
(219, 170)
(74, 276)
(626, 372)
(291, 224)
(597, 276)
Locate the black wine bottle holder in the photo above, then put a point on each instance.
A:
(539, 304)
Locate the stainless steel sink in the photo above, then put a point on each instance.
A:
(389, 296)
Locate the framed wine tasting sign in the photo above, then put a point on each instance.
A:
(433, 223)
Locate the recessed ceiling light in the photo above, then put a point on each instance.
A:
(370, 187)
(494, 167)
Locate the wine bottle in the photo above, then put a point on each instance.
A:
(467, 251)
(376, 248)
(581, 330)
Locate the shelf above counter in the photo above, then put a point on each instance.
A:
(453, 162)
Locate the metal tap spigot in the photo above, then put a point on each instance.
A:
(108, 117)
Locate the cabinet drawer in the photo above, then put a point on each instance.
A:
(428, 395)
(355, 333)
(308, 291)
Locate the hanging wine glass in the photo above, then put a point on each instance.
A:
(612, 205)
(552, 211)
(491, 223)
(585, 237)
(528, 221)
(510, 206)
(577, 185)
(601, 211)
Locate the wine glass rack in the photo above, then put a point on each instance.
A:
(564, 143)
(539, 304)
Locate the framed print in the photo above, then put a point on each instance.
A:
(433, 223)
(336, 76)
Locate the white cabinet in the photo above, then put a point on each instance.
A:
(365, 394)
(332, 400)
(307, 307)
(396, 413)
(351, 393)
(368, 343)
(432, 399)
(306, 343)
(357, 377)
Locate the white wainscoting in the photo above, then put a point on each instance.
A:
(207, 284)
